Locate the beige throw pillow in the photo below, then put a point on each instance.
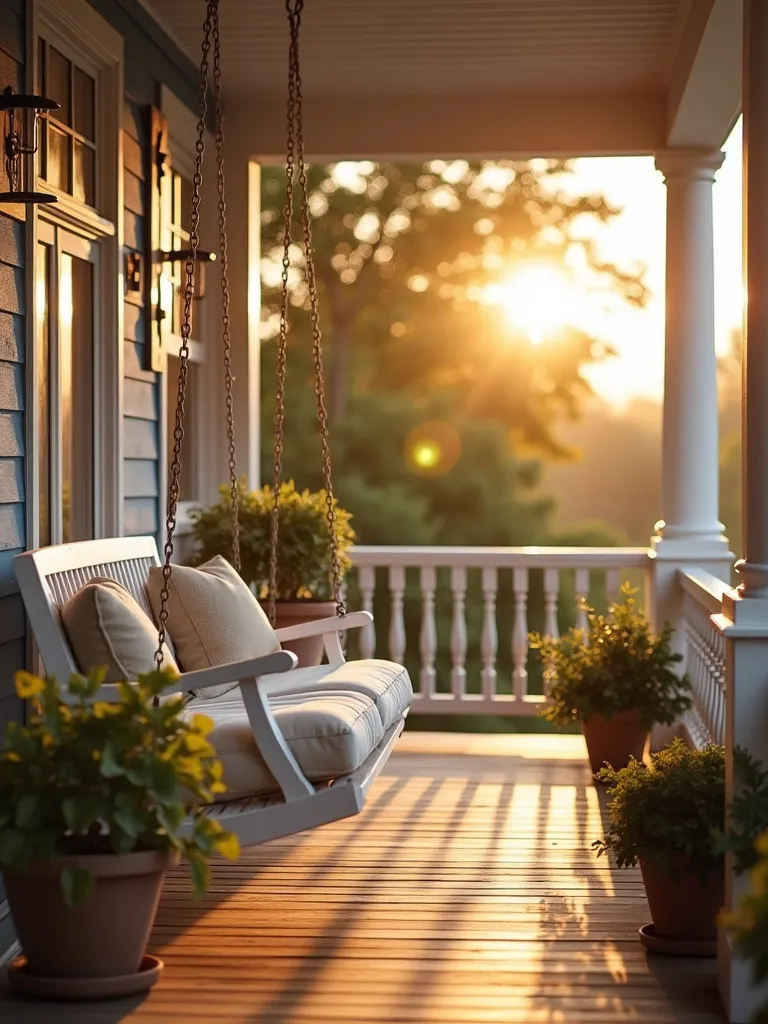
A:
(107, 626)
(213, 618)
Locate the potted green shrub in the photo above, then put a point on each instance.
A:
(617, 677)
(303, 557)
(667, 817)
(92, 799)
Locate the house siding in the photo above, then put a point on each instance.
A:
(141, 431)
(12, 384)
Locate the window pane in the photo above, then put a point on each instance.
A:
(58, 84)
(189, 454)
(85, 112)
(42, 354)
(57, 159)
(76, 369)
(85, 174)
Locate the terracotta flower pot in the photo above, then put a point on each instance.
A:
(684, 906)
(103, 937)
(290, 613)
(614, 740)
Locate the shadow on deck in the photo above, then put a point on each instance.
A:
(466, 893)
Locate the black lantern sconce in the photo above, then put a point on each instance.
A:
(202, 256)
(22, 119)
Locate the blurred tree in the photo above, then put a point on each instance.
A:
(413, 263)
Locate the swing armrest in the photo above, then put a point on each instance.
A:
(278, 661)
(334, 624)
(253, 668)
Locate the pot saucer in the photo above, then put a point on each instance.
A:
(30, 984)
(676, 947)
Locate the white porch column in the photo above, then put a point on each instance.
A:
(690, 532)
(744, 621)
(690, 449)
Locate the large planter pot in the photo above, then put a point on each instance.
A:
(103, 937)
(614, 740)
(684, 906)
(310, 650)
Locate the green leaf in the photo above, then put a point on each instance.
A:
(110, 767)
(79, 812)
(12, 843)
(200, 873)
(76, 885)
(130, 820)
(29, 811)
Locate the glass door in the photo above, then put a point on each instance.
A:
(66, 283)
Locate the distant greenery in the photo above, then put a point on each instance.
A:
(617, 664)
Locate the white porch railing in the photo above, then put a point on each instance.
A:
(483, 670)
(705, 655)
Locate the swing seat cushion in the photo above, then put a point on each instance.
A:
(386, 684)
(330, 733)
(107, 627)
(213, 618)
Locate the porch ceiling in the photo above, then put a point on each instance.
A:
(400, 77)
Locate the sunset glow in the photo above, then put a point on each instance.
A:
(538, 299)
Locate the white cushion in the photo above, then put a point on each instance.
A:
(330, 733)
(213, 618)
(107, 627)
(387, 684)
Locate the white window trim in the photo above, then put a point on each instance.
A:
(80, 32)
(182, 138)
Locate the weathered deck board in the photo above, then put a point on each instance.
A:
(466, 893)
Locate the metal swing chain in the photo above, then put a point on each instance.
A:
(189, 288)
(225, 317)
(294, 9)
(282, 340)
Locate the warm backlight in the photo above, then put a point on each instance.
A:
(538, 299)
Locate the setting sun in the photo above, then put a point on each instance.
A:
(538, 299)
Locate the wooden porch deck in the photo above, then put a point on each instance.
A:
(466, 893)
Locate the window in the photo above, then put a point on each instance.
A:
(172, 204)
(67, 154)
(66, 274)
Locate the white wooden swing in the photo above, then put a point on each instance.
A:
(50, 576)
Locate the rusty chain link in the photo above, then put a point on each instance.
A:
(210, 38)
(225, 317)
(295, 162)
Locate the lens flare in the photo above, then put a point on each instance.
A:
(432, 448)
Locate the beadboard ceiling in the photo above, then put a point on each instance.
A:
(413, 47)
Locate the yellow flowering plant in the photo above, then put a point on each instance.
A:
(89, 777)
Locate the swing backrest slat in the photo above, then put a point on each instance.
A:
(49, 576)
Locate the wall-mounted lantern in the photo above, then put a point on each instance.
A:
(182, 255)
(22, 138)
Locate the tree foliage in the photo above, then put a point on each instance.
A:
(406, 259)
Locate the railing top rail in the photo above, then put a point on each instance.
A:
(705, 588)
(501, 557)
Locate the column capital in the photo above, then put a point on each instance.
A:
(686, 164)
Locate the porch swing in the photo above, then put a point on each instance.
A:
(302, 745)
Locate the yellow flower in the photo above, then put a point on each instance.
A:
(202, 724)
(228, 846)
(28, 685)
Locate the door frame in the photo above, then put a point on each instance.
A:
(62, 241)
